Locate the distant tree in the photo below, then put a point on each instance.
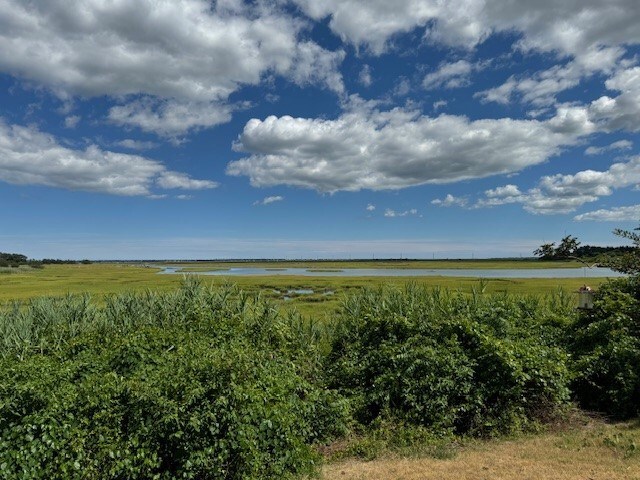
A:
(57, 261)
(568, 246)
(592, 251)
(546, 251)
(12, 259)
(629, 261)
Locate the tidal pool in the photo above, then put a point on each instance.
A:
(410, 272)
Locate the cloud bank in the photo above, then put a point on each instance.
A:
(172, 64)
(29, 156)
(366, 148)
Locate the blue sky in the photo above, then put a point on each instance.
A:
(316, 128)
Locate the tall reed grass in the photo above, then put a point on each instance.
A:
(46, 324)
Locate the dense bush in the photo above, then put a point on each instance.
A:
(605, 344)
(605, 341)
(215, 383)
(194, 384)
(479, 364)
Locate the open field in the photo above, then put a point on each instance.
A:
(594, 450)
(95, 279)
(344, 264)
(110, 278)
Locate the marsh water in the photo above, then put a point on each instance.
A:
(407, 272)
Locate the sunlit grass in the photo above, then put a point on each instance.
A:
(405, 264)
(109, 278)
(593, 450)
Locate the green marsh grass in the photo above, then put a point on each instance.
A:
(99, 279)
(135, 364)
(346, 264)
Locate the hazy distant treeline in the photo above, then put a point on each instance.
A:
(592, 250)
(18, 259)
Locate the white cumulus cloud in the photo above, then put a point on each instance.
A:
(71, 121)
(437, 105)
(31, 157)
(170, 180)
(571, 27)
(132, 144)
(540, 88)
(629, 213)
(451, 75)
(450, 201)
(365, 76)
(366, 148)
(169, 118)
(372, 23)
(183, 57)
(586, 37)
(390, 213)
(559, 193)
(619, 145)
(623, 111)
(268, 200)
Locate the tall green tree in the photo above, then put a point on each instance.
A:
(546, 251)
(628, 262)
(568, 246)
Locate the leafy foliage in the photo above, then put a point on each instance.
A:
(480, 365)
(625, 259)
(606, 341)
(546, 251)
(629, 260)
(605, 344)
(568, 247)
(193, 384)
(216, 383)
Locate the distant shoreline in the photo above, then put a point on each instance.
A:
(200, 265)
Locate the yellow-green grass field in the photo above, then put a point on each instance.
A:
(345, 264)
(99, 279)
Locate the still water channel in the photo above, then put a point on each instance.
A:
(408, 272)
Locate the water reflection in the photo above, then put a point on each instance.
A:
(410, 272)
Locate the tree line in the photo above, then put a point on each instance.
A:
(15, 260)
(570, 247)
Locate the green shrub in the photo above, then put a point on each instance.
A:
(605, 344)
(160, 404)
(198, 383)
(448, 361)
(217, 383)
